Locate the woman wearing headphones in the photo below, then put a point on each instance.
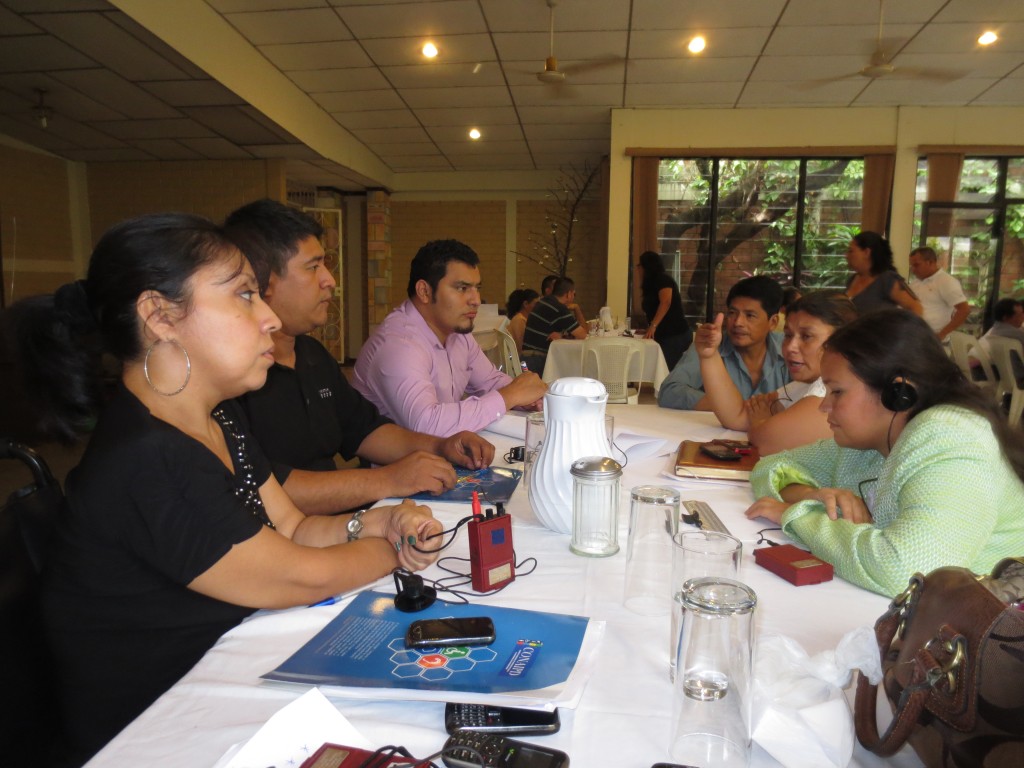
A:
(922, 472)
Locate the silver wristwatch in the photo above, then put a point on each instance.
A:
(355, 525)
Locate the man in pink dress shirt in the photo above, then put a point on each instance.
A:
(423, 368)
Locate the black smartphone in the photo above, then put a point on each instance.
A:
(671, 765)
(471, 749)
(720, 452)
(431, 633)
(742, 447)
(490, 719)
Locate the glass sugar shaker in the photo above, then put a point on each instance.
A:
(595, 506)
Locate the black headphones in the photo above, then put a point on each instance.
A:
(899, 394)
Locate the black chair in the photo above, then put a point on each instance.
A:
(29, 719)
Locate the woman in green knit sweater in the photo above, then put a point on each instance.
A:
(923, 470)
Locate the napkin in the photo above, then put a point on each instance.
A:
(801, 716)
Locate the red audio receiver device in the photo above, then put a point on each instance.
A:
(491, 559)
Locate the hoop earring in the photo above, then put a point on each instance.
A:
(188, 368)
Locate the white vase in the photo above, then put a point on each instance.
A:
(573, 428)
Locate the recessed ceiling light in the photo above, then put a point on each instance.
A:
(474, 133)
(988, 38)
(696, 45)
(429, 50)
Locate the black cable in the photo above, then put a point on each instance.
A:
(453, 531)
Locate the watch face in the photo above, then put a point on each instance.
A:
(354, 526)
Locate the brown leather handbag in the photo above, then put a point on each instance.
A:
(952, 650)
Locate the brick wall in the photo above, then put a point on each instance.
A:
(211, 188)
(588, 267)
(480, 224)
(34, 223)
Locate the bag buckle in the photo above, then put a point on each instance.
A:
(956, 651)
(904, 601)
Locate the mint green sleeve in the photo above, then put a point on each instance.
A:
(813, 465)
(937, 503)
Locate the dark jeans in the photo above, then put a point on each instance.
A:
(673, 347)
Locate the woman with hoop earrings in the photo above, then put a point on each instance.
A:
(175, 529)
(789, 416)
(923, 470)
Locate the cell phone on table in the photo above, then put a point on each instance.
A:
(432, 633)
(490, 719)
(742, 447)
(720, 452)
(671, 765)
(470, 749)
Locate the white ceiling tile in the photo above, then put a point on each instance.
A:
(592, 72)
(65, 101)
(788, 69)
(404, 148)
(56, 6)
(567, 93)
(491, 133)
(404, 163)
(12, 24)
(1005, 92)
(832, 40)
(385, 118)
(39, 53)
(561, 160)
(988, 10)
(167, 149)
(357, 101)
(888, 91)
(350, 79)
(154, 129)
(491, 162)
(216, 148)
(699, 14)
(570, 147)
(232, 124)
(455, 97)
(689, 70)
(568, 131)
(448, 17)
(461, 116)
(117, 93)
(683, 95)
(534, 46)
(96, 36)
(842, 12)
(234, 6)
(466, 146)
(983, 64)
(442, 76)
(666, 44)
(570, 15)
(287, 151)
(392, 135)
(113, 155)
(332, 55)
(452, 49)
(310, 25)
(838, 93)
(192, 93)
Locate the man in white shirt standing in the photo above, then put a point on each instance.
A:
(943, 300)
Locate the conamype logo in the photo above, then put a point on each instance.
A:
(525, 654)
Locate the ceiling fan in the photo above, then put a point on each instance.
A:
(881, 65)
(551, 74)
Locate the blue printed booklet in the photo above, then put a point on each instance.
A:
(537, 659)
(493, 484)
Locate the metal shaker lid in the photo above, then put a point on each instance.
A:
(596, 467)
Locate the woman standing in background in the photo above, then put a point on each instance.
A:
(875, 283)
(663, 308)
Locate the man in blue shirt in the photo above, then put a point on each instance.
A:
(751, 352)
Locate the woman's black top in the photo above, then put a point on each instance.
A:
(148, 510)
(674, 322)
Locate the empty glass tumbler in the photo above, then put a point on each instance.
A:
(653, 520)
(595, 506)
(713, 687)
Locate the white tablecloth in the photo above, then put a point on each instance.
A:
(565, 358)
(623, 716)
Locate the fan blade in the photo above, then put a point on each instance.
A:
(592, 65)
(809, 85)
(937, 75)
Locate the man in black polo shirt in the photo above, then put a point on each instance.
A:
(307, 411)
(552, 318)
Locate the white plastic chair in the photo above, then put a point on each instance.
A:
(510, 355)
(962, 348)
(1003, 351)
(500, 349)
(610, 361)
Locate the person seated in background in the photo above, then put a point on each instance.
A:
(750, 353)
(547, 285)
(307, 412)
(550, 320)
(520, 304)
(423, 368)
(174, 529)
(1009, 317)
(875, 283)
(789, 416)
(943, 302)
(923, 470)
(663, 309)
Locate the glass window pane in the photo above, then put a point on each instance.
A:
(832, 214)
(1011, 276)
(1015, 179)
(979, 180)
(684, 198)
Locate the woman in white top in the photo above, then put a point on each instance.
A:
(520, 304)
(789, 416)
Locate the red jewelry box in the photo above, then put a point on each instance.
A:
(795, 565)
